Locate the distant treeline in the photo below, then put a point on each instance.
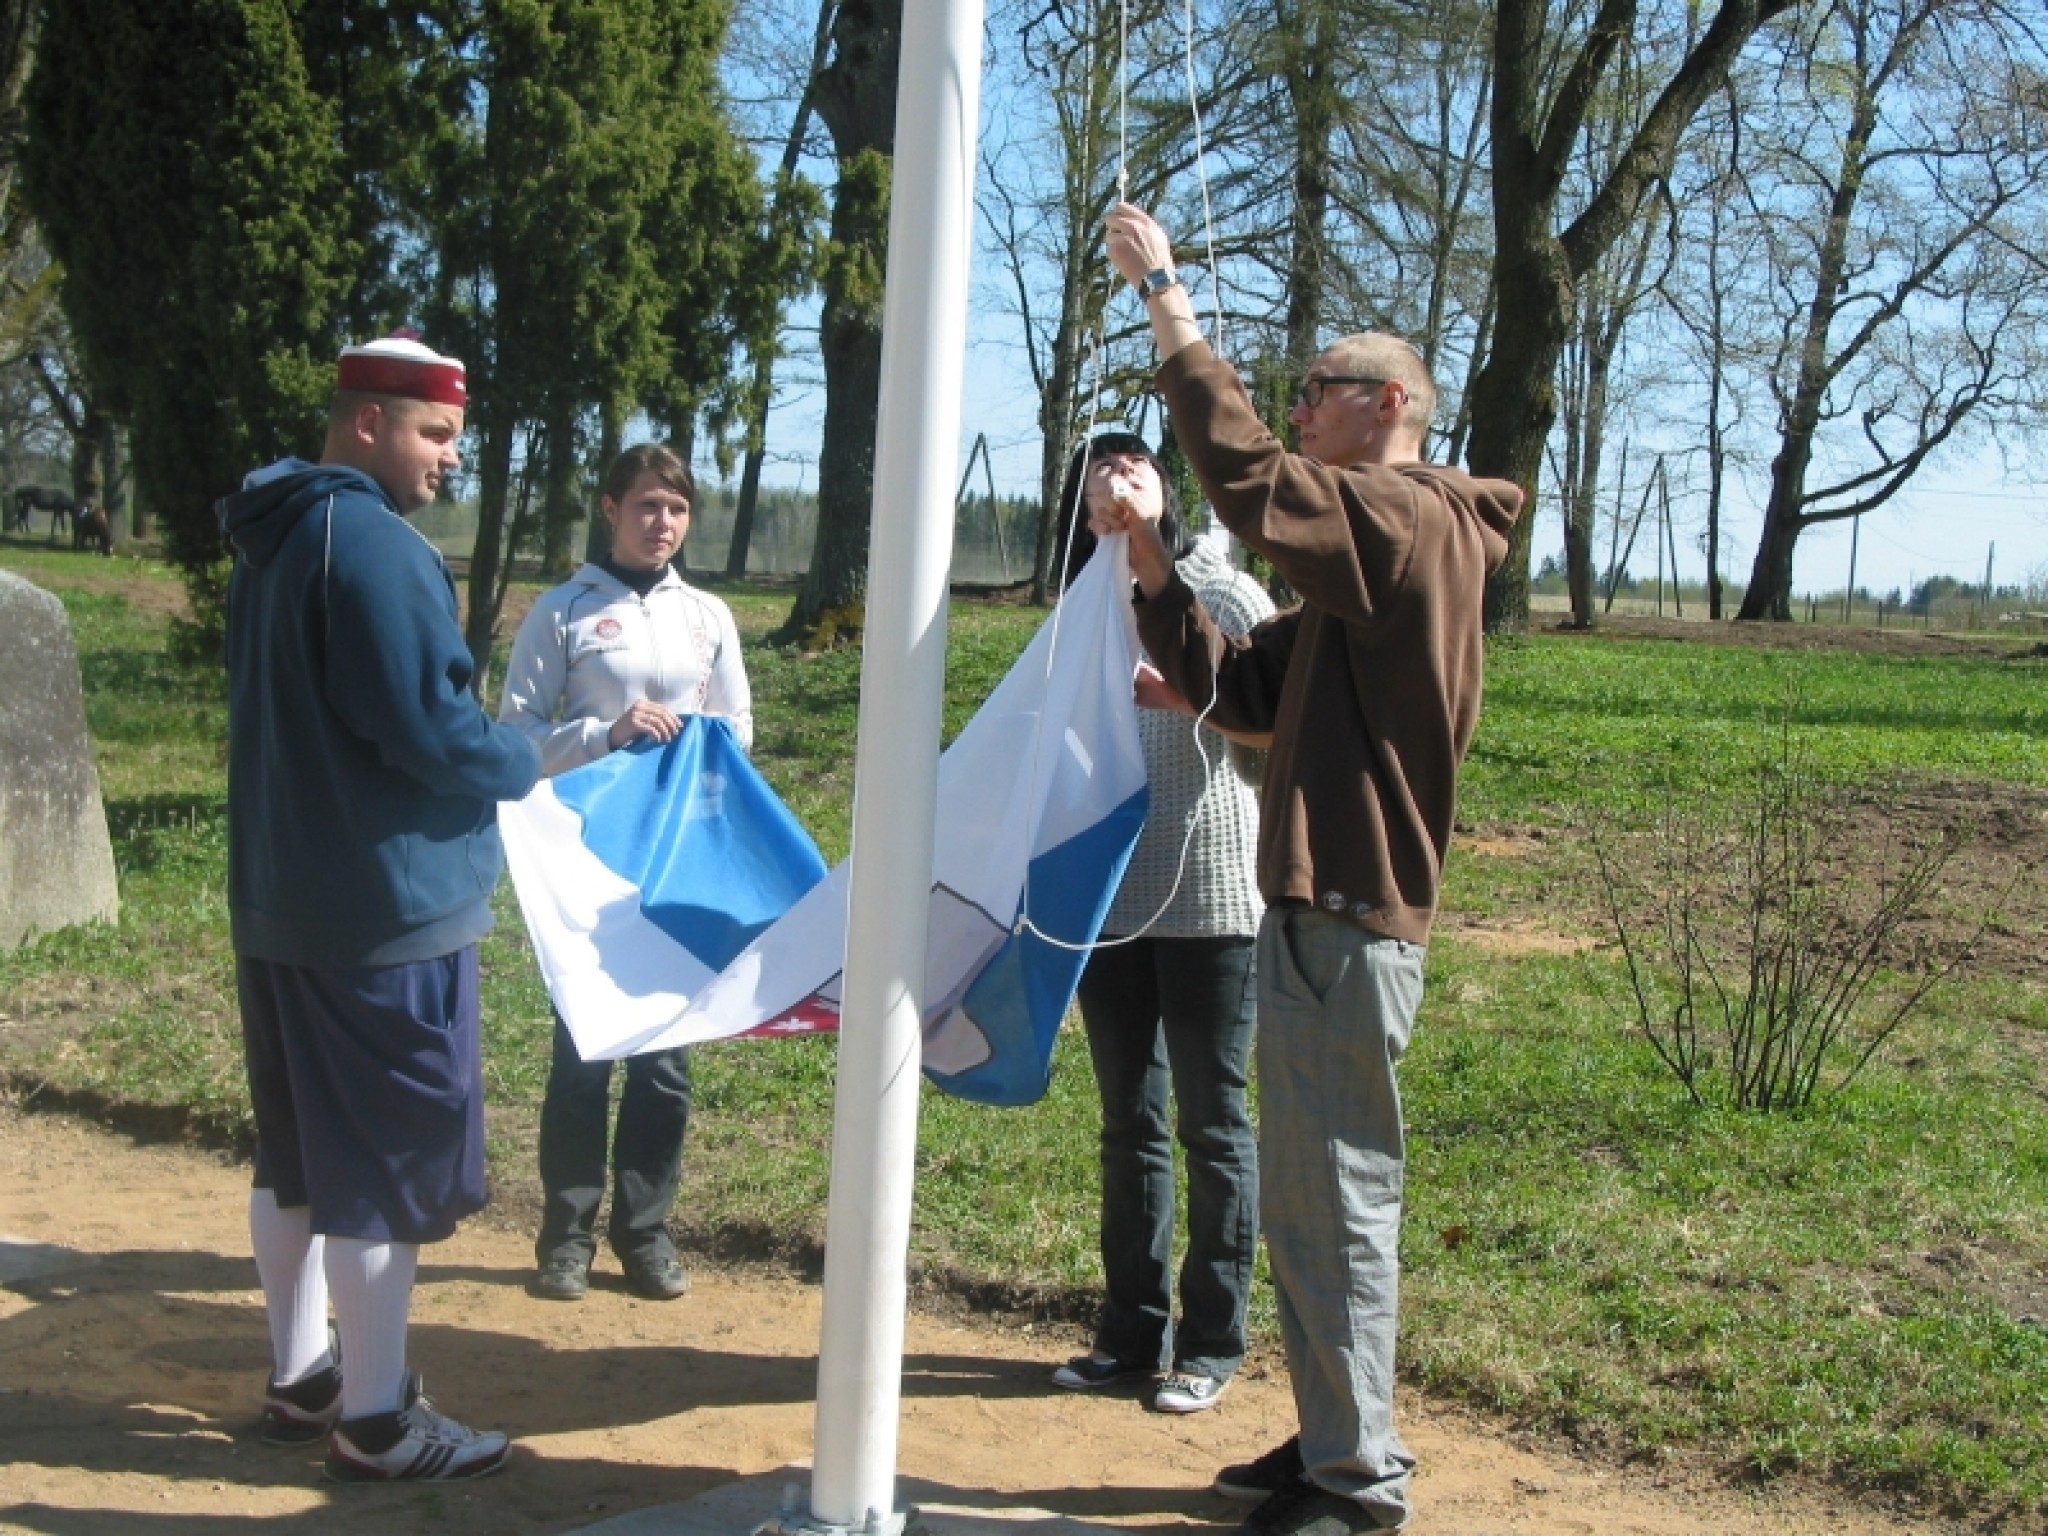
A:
(992, 538)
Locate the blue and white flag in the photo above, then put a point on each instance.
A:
(644, 873)
(1040, 801)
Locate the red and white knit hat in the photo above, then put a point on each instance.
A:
(402, 366)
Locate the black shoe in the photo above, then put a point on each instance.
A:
(655, 1276)
(1087, 1373)
(305, 1411)
(1251, 1481)
(564, 1275)
(1304, 1509)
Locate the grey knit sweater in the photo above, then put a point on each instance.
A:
(1218, 891)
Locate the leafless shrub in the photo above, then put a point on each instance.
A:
(1768, 948)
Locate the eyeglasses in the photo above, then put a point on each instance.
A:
(1310, 395)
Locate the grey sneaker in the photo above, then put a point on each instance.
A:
(564, 1275)
(1188, 1392)
(309, 1408)
(415, 1443)
(655, 1276)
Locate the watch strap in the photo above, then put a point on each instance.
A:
(1156, 282)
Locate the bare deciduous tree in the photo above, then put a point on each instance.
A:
(1904, 176)
(1537, 264)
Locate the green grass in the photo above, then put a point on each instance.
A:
(1587, 1251)
(1843, 1293)
(1585, 722)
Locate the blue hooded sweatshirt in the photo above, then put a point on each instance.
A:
(363, 775)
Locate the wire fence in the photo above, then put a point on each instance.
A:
(994, 540)
(1951, 613)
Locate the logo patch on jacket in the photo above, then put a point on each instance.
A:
(609, 629)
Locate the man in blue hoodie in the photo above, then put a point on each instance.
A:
(363, 781)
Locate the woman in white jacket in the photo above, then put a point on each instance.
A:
(621, 651)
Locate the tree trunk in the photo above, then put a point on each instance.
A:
(597, 536)
(750, 476)
(831, 606)
(1578, 558)
(1514, 402)
(494, 482)
(120, 480)
(1770, 584)
(856, 99)
(1770, 578)
(1716, 481)
(1514, 397)
(1055, 414)
(1313, 94)
(559, 499)
(1585, 405)
(682, 441)
(88, 458)
(763, 390)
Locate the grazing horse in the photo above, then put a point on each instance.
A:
(35, 498)
(90, 529)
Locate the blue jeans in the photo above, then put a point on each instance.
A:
(647, 1150)
(1178, 1011)
(1336, 1007)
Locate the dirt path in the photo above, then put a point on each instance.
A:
(127, 1390)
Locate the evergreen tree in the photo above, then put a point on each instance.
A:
(724, 259)
(590, 220)
(187, 177)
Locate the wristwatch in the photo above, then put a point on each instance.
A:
(1156, 282)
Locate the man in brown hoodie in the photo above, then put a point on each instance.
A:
(1371, 693)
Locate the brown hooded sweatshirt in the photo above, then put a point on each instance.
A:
(1371, 688)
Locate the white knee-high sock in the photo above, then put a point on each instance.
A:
(288, 1262)
(372, 1286)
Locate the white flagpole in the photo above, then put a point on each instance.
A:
(874, 1131)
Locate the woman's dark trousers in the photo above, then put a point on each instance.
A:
(1178, 1012)
(647, 1150)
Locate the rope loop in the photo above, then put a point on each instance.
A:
(1097, 363)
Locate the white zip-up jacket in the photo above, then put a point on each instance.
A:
(592, 648)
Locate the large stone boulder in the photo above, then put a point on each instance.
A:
(56, 863)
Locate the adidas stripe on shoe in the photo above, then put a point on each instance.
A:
(414, 1444)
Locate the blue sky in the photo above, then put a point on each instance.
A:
(1944, 524)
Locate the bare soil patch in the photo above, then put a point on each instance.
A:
(122, 576)
(1504, 840)
(1903, 640)
(128, 1387)
(1514, 936)
(1999, 873)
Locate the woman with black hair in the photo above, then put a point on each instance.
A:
(1173, 1006)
